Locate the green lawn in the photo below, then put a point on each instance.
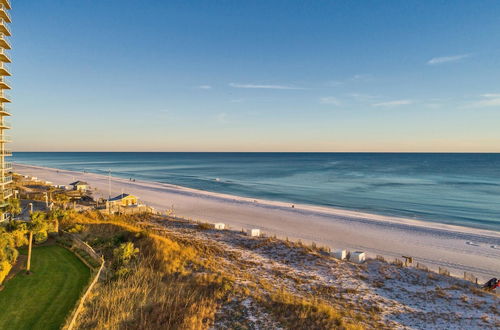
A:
(43, 299)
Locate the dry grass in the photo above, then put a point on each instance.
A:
(168, 286)
(177, 282)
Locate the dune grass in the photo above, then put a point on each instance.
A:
(43, 299)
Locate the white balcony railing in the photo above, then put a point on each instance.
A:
(6, 166)
(6, 179)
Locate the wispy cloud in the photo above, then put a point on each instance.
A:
(205, 87)
(255, 86)
(363, 97)
(488, 100)
(447, 59)
(361, 77)
(394, 103)
(329, 100)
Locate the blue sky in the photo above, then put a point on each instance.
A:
(256, 75)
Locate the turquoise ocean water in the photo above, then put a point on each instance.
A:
(460, 189)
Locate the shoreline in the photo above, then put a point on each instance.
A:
(434, 244)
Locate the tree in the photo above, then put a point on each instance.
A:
(62, 199)
(38, 226)
(8, 254)
(14, 206)
(56, 216)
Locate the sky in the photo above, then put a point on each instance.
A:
(155, 75)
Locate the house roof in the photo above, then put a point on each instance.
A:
(120, 197)
(79, 183)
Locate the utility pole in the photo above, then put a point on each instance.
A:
(109, 185)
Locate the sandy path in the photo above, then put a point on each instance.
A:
(456, 248)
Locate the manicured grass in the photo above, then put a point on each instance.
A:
(43, 299)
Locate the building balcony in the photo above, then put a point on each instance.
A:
(5, 125)
(4, 44)
(6, 179)
(5, 138)
(6, 3)
(4, 28)
(4, 98)
(4, 111)
(4, 13)
(4, 84)
(4, 70)
(4, 57)
(5, 153)
(6, 166)
(7, 193)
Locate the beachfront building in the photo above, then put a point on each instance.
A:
(80, 186)
(5, 167)
(123, 200)
(127, 204)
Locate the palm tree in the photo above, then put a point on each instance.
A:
(62, 199)
(14, 206)
(36, 225)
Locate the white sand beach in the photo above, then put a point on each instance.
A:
(436, 245)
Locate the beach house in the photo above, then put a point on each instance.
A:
(123, 200)
(80, 186)
(5, 167)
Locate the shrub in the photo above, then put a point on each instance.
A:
(125, 252)
(205, 226)
(76, 229)
(40, 237)
(5, 268)
(19, 237)
(64, 241)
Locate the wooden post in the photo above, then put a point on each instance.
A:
(28, 264)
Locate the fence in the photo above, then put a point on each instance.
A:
(79, 244)
(470, 277)
(441, 270)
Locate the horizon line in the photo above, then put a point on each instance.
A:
(317, 152)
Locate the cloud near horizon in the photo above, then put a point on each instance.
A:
(205, 87)
(488, 100)
(394, 103)
(256, 86)
(447, 59)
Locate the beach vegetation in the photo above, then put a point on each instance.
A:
(205, 226)
(14, 206)
(159, 279)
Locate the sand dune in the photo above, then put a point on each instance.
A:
(437, 245)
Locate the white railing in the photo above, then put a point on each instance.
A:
(6, 166)
(4, 81)
(6, 179)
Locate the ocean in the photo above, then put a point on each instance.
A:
(458, 189)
